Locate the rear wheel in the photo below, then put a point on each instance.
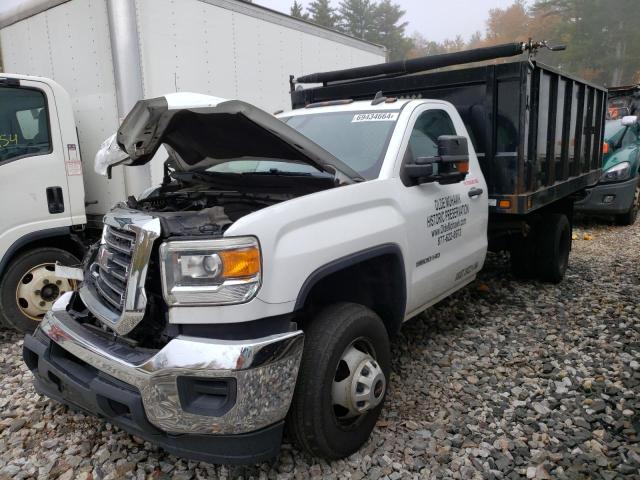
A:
(342, 381)
(29, 287)
(553, 235)
(629, 218)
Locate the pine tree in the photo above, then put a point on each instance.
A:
(296, 11)
(322, 13)
(389, 29)
(357, 18)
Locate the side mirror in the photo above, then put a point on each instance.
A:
(451, 165)
(629, 120)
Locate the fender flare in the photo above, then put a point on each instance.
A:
(353, 259)
(30, 238)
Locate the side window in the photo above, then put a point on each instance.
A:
(424, 137)
(24, 123)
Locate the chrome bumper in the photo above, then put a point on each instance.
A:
(264, 369)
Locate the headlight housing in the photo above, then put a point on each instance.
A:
(617, 173)
(210, 272)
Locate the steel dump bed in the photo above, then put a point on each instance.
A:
(537, 132)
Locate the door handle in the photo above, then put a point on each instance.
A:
(475, 192)
(55, 200)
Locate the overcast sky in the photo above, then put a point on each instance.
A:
(434, 19)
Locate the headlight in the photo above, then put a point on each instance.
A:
(210, 272)
(621, 171)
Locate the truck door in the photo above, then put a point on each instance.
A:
(446, 224)
(33, 178)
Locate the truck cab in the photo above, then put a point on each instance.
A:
(42, 194)
(618, 191)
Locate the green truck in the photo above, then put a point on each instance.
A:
(617, 193)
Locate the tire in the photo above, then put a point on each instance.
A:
(553, 242)
(629, 218)
(22, 302)
(314, 422)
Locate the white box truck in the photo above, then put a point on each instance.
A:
(78, 67)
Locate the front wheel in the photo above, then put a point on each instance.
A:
(29, 287)
(342, 381)
(629, 218)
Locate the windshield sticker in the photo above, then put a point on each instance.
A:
(375, 117)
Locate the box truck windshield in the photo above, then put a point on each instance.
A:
(24, 124)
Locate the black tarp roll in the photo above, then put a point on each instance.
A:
(416, 64)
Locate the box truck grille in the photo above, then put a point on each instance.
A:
(112, 266)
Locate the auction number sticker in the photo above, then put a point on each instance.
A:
(375, 117)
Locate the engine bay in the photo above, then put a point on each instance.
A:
(193, 204)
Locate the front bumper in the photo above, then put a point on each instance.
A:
(212, 400)
(608, 198)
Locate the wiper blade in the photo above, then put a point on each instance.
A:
(275, 171)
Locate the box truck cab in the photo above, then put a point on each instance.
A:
(42, 194)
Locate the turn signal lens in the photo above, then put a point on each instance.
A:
(240, 263)
(605, 148)
(463, 167)
(504, 203)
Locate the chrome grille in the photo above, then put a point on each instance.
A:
(112, 266)
(114, 286)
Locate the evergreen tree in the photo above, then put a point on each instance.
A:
(296, 11)
(389, 30)
(357, 18)
(602, 37)
(322, 13)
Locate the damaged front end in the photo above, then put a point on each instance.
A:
(211, 392)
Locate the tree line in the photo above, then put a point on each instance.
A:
(379, 22)
(602, 36)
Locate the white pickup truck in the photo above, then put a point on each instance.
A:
(260, 283)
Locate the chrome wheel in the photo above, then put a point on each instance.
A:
(359, 383)
(38, 290)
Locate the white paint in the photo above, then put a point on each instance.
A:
(299, 236)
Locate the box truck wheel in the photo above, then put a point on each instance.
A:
(342, 381)
(29, 286)
(553, 244)
(629, 218)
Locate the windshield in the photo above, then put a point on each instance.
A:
(261, 165)
(612, 128)
(359, 139)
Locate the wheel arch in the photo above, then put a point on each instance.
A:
(335, 281)
(59, 237)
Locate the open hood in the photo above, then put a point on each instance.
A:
(204, 131)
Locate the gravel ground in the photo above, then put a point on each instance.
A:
(506, 379)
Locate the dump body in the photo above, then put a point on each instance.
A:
(538, 132)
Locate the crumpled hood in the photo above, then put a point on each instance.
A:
(204, 131)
